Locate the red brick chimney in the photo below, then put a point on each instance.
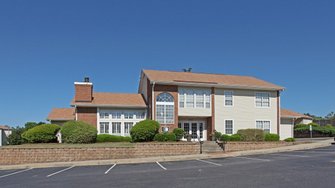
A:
(83, 91)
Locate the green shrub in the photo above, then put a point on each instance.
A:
(179, 133)
(289, 140)
(41, 134)
(326, 130)
(249, 135)
(271, 137)
(225, 138)
(300, 126)
(78, 132)
(235, 137)
(112, 138)
(217, 135)
(165, 137)
(144, 131)
(15, 138)
(314, 125)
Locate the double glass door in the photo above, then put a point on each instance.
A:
(195, 129)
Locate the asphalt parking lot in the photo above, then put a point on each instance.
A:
(305, 168)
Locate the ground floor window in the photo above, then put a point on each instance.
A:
(116, 127)
(264, 125)
(104, 127)
(196, 129)
(229, 126)
(127, 127)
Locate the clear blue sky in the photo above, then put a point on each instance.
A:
(47, 45)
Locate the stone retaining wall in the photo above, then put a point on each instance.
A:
(243, 146)
(12, 155)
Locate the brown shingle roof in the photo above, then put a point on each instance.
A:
(62, 114)
(5, 127)
(115, 99)
(225, 80)
(292, 114)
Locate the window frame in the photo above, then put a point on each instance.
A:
(270, 124)
(262, 99)
(203, 94)
(165, 105)
(225, 98)
(225, 126)
(105, 124)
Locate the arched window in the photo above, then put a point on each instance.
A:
(165, 108)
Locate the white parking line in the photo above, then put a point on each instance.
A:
(110, 169)
(289, 155)
(60, 171)
(161, 165)
(256, 159)
(25, 170)
(209, 162)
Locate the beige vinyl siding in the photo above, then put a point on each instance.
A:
(244, 112)
(195, 112)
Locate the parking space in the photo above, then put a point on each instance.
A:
(293, 160)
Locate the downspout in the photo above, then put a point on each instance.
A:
(75, 111)
(152, 101)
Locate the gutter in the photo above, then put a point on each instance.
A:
(153, 101)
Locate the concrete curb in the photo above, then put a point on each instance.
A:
(171, 158)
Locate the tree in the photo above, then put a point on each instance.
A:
(331, 115)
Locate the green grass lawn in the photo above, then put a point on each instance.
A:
(55, 145)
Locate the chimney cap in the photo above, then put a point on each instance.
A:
(86, 79)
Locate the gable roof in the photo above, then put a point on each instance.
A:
(62, 114)
(291, 114)
(5, 127)
(166, 77)
(114, 100)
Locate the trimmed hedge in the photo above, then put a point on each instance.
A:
(144, 131)
(165, 137)
(271, 137)
(249, 135)
(77, 132)
(217, 135)
(325, 131)
(112, 138)
(41, 134)
(289, 140)
(235, 138)
(179, 133)
(225, 138)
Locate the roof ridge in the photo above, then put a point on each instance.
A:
(206, 73)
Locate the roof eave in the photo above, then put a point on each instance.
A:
(107, 105)
(218, 85)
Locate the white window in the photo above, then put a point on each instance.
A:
(165, 108)
(200, 99)
(208, 99)
(104, 127)
(128, 115)
(229, 127)
(182, 99)
(116, 115)
(116, 127)
(264, 125)
(104, 115)
(228, 96)
(194, 98)
(262, 99)
(127, 127)
(140, 115)
(190, 98)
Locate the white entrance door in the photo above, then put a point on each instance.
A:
(196, 128)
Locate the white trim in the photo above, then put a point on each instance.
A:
(107, 105)
(224, 98)
(83, 83)
(225, 126)
(98, 120)
(255, 99)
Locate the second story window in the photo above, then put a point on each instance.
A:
(262, 100)
(194, 98)
(228, 98)
(165, 108)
